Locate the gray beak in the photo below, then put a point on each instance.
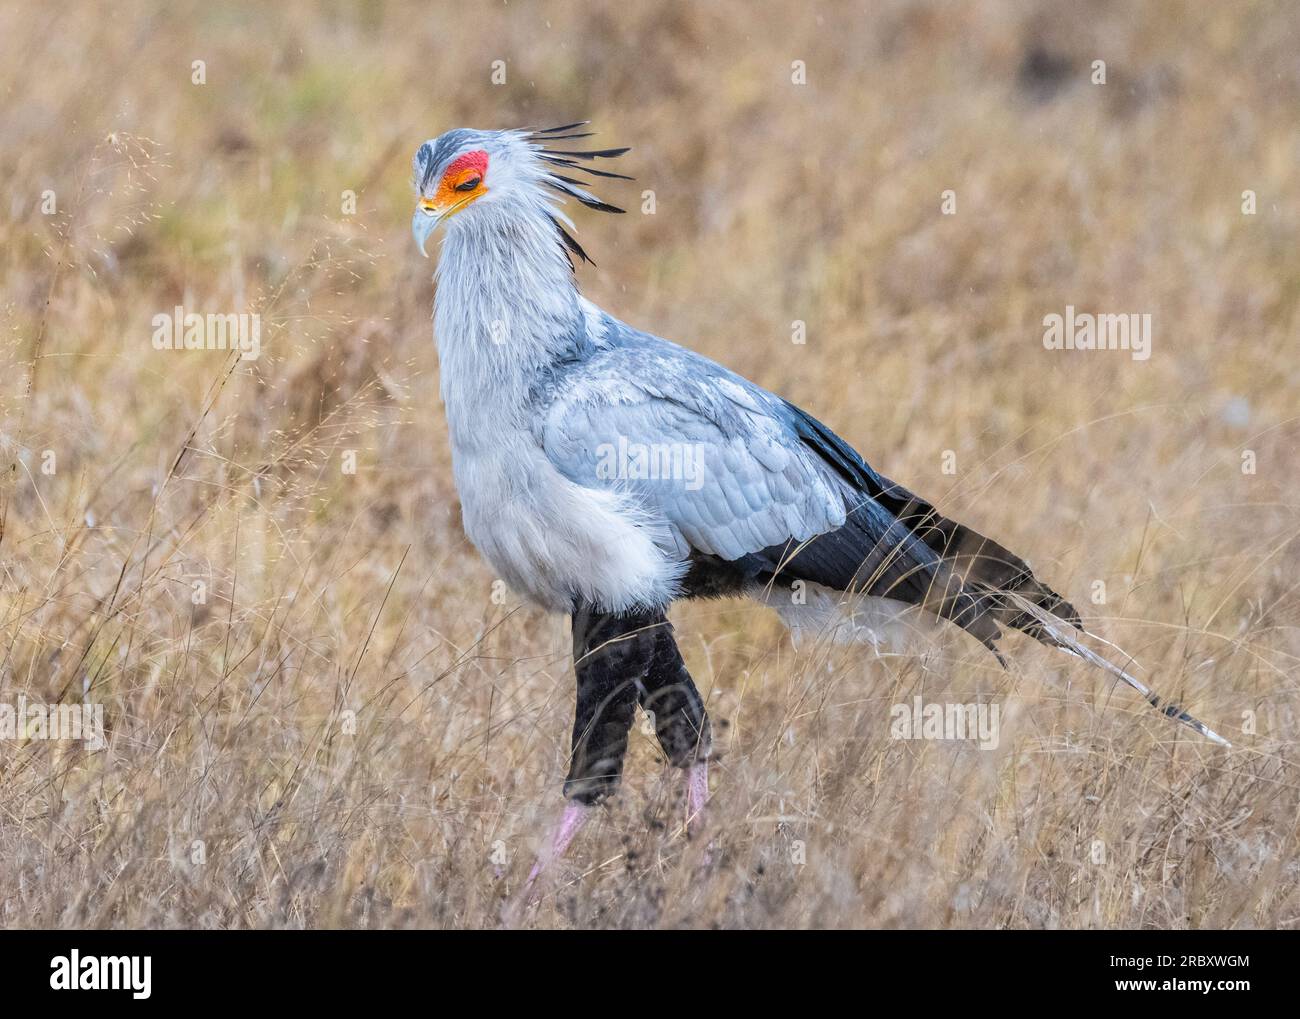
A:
(423, 224)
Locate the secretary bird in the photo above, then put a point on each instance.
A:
(558, 416)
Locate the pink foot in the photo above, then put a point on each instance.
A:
(571, 821)
(697, 795)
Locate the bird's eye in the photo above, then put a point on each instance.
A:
(470, 184)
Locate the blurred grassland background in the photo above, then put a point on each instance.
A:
(358, 729)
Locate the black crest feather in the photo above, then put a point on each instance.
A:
(571, 186)
(570, 243)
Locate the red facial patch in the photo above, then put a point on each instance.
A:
(477, 160)
(461, 184)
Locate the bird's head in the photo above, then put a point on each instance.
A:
(462, 173)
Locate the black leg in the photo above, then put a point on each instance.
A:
(620, 659)
(612, 655)
(681, 722)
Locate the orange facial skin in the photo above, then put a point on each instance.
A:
(461, 184)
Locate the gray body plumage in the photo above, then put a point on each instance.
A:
(756, 486)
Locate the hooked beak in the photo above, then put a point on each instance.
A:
(428, 216)
(423, 223)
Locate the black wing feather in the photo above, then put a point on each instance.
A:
(986, 567)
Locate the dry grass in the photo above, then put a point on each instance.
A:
(334, 596)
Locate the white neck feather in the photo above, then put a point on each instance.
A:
(506, 308)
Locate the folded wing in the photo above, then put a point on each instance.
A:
(732, 472)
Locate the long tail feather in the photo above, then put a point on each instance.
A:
(1055, 633)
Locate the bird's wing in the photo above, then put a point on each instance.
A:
(714, 466)
(724, 465)
(997, 574)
